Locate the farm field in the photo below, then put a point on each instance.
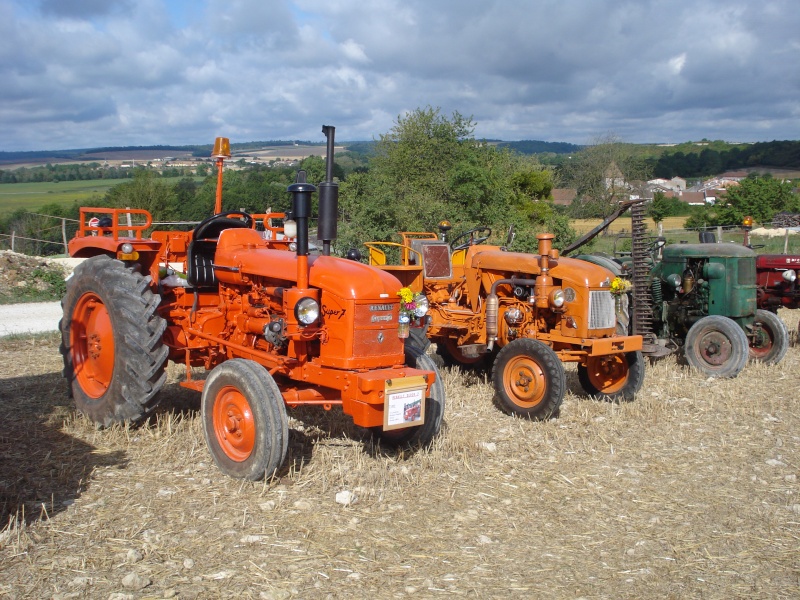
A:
(691, 490)
(32, 196)
(623, 223)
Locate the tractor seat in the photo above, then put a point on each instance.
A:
(203, 247)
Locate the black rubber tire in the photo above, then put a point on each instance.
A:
(132, 329)
(422, 435)
(518, 364)
(777, 342)
(236, 380)
(452, 357)
(717, 346)
(417, 338)
(634, 378)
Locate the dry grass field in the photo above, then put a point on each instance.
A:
(623, 223)
(689, 491)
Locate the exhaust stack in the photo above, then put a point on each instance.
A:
(328, 198)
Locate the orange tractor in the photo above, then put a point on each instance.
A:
(525, 314)
(274, 325)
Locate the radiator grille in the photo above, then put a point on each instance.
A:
(602, 314)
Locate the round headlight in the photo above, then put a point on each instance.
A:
(306, 311)
(790, 275)
(421, 305)
(557, 298)
(127, 248)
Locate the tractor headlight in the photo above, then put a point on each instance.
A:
(557, 298)
(789, 275)
(421, 305)
(127, 248)
(306, 311)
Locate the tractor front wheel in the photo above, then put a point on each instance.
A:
(717, 346)
(420, 435)
(770, 338)
(114, 356)
(529, 379)
(616, 377)
(244, 420)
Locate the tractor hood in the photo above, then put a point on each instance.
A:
(242, 255)
(519, 264)
(677, 252)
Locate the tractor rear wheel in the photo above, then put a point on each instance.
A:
(616, 377)
(529, 379)
(114, 356)
(244, 420)
(717, 346)
(770, 340)
(421, 435)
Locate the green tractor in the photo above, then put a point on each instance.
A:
(698, 298)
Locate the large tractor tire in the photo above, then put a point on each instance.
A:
(114, 356)
(616, 377)
(529, 379)
(421, 435)
(244, 420)
(717, 346)
(771, 339)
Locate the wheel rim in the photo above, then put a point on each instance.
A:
(234, 424)
(714, 348)
(524, 381)
(608, 374)
(92, 341)
(762, 342)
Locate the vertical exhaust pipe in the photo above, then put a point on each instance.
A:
(301, 210)
(328, 198)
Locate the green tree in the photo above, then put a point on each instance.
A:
(145, 191)
(659, 208)
(760, 197)
(429, 168)
(605, 173)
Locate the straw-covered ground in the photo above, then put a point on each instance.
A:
(689, 491)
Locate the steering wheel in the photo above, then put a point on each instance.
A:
(476, 236)
(211, 227)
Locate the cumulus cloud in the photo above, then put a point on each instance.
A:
(83, 73)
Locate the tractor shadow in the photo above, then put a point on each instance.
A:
(43, 469)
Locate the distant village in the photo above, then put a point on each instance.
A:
(701, 194)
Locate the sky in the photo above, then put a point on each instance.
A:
(92, 73)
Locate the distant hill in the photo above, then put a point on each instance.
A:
(540, 147)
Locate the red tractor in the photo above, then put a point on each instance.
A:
(776, 276)
(273, 325)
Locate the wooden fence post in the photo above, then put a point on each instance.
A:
(64, 234)
(12, 239)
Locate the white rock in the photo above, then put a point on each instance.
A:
(302, 504)
(188, 563)
(134, 581)
(346, 498)
(488, 446)
(775, 463)
(133, 556)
